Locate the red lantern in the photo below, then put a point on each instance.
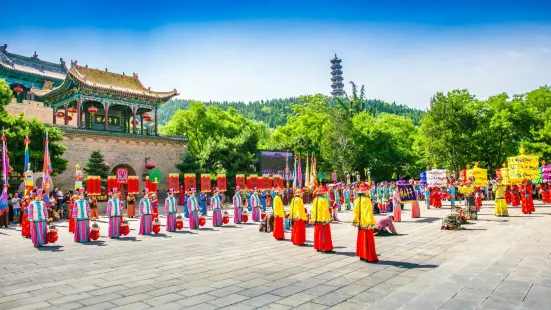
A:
(156, 229)
(136, 122)
(202, 221)
(146, 117)
(18, 89)
(225, 219)
(92, 110)
(60, 114)
(150, 165)
(72, 110)
(69, 118)
(125, 230)
(262, 215)
(94, 234)
(52, 236)
(245, 218)
(179, 225)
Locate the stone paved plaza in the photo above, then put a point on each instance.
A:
(495, 263)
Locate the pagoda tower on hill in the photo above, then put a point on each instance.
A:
(336, 77)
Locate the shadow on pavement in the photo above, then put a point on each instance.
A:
(51, 248)
(404, 264)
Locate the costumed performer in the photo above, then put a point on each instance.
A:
(279, 215)
(397, 205)
(171, 208)
(297, 214)
(37, 216)
(94, 213)
(515, 197)
(385, 226)
(365, 221)
(255, 205)
(193, 209)
(114, 212)
(321, 218)
(263, 197)
(25, 224)
(427, 196)
(237, 206)
(71, 206)
(527, 199)
(500, 202)
(346, 196)
(216, 205)
(415, 209)
(130, 206)
(508, 194)
(146, 212)
(451, 191)
(81, 214)
(203, 203)
(155, 205)
(546, 193)
(186, 209)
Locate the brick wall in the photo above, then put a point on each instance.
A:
(35, 109)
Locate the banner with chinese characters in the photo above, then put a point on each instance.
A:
(407, 193)
(152, 187)
(265, 181)
(189, 181)
(112, 120)
(546, 173)
(174, 181)
(278, 181)
(93, 185)
(251, 181)
(221, 182)
(205, 183)
(240, 180)
(523, 167)
(437, 178)
(111, 182)
(133, 185)
(479, 175)
(505, 176)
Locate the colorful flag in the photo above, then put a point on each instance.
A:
(5, 175)
(287, 172)
(299, 176)
(295, 173)
(27, 157)
(46, 170)
(307, 174)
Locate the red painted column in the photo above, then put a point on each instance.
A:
(66, 115)
(134, 110)
(79, 113)
(106, 115)
(156, 123)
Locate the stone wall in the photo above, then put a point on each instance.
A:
(120, 150)
(35, 109)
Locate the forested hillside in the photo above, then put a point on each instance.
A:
(274, 112)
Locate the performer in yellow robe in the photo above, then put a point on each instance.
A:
(279, 215)
(500, 204)
(365, 221)
(321, 217)
(298, 216)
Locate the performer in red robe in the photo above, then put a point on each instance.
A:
(515, 196)
(508, 195)
(546, 193)
(25, 224)
(436, 198)
(155, 205)
(527, 199)
(71, 219)
(478, 198)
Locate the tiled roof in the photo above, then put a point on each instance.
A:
(128, 85)
(115, 82)
(32, 65)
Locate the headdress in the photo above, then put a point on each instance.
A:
(364, 188)
(322, 190)
(170, 191)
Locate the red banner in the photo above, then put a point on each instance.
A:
(133, 185)
(278, 181)
(93, 185)
(174, 181)
(111, 182)
(221, 182)
(150, 185)
(240, 180)
(205, 183)
(463, 176)
(265, 184)
(189, 181)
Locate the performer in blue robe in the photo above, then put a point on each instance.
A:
(263, 198)
(186, 211)
(203, 203)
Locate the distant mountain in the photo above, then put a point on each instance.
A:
(274, 112)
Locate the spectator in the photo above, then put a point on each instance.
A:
(16, 204)
(60, 197)
(53, 192)
(20, 194)
(10, 209)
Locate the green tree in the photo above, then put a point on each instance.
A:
(96, 166)
(447, 130)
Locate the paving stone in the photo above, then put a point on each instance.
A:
(227, 300)
(296, 300)
(261, 300)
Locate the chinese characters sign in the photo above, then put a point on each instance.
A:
(407, 194)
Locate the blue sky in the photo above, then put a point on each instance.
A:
(402, 51)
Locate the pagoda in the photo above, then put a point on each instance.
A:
(104, 101)
(336, 77)
(25, 73)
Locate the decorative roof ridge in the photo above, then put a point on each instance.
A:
(32, 58)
